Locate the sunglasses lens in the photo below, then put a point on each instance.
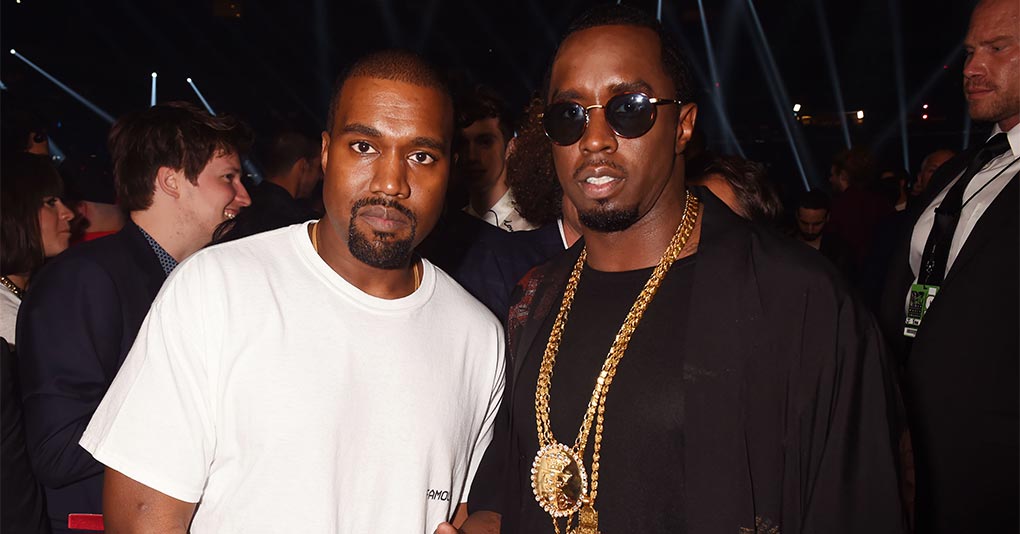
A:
(564, 122)
(631, 115)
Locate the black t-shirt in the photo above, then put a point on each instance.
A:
(641, 482)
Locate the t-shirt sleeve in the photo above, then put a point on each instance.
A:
(492, 408)
(154, 425)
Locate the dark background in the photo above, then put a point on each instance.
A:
(273, 63)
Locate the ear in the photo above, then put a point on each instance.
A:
(325, 150)
(169, 181)
(685, 127)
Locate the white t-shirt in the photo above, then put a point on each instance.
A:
(287, 400)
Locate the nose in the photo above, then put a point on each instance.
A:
(63, 211)
(974, 64)
(390, 178)
(241, 196)
(598, 136)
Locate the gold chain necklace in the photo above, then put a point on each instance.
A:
(558, 477)
(315, 246)
(6, 282)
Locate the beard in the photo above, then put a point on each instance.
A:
(608, 220)
(810, 237)
(380, 249)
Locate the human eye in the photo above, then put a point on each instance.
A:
(50, 201)
(423, 158)
(362, 147)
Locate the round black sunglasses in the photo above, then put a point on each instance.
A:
(629, 115)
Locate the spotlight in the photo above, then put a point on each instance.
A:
(13, 52)
(153, 74)
(189, 80)
(796, 108)
(925, 116)
(924, 106)
(860, 114)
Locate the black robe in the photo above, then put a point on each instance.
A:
(791, 410)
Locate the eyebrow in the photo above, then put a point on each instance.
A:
(362, 129)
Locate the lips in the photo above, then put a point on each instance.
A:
(599, 181)
(229, 213)
(974, 92)
(383, 219)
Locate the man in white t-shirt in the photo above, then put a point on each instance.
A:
(319, 377)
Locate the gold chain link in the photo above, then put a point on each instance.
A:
(597, 406)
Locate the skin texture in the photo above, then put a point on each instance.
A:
(217, 195)
(991, 72)
(391, 143)
(183, 216)
(481, 162)
(592, 66)
(54, 226)
(131, 507)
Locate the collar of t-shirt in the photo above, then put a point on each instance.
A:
(979, 194)
(166, 261)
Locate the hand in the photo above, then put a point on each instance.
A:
(447, 528)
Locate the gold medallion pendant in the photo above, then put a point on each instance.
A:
(559, 480)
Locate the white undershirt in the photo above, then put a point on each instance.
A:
(973, 208)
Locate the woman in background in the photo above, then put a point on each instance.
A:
(34, 225)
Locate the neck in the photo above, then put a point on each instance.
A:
(643, 244)
(815, 243)
(1008, 123)
(20, 280)
(482, 200)
(287, 182)
(170, 233)
(571, 233)
(381, 283)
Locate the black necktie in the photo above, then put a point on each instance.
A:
(947, 214)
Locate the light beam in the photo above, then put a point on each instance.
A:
(95, 109)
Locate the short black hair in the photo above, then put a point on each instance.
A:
(673, 60)
(483, 102)
(396, 65)
(814, 200)
(285, 149)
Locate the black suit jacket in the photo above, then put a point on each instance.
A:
(75, 326)
(961, 372)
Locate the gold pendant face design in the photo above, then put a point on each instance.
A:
(558, 480)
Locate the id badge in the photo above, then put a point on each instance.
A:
(921, 297)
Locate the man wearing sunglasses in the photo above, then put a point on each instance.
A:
(679, 369)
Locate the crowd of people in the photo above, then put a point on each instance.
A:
(442, 317)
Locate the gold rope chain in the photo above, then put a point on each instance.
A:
(597, 405)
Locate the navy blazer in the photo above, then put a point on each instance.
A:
(961, 372)
(75, 326)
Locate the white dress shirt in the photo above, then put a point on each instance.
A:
(503, 215)
(976, 201)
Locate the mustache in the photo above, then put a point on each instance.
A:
(588, 165)
(384, 202)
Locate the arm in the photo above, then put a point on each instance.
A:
(69, 343)
(132, 507)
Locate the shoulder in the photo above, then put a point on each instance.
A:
(457, 301)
